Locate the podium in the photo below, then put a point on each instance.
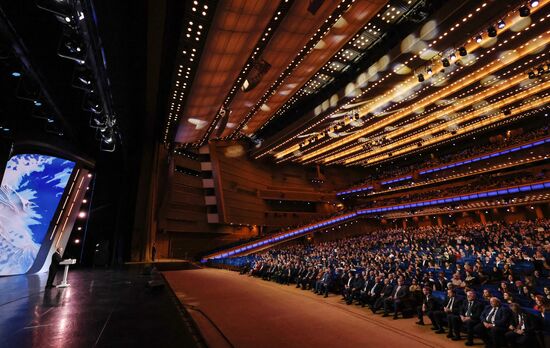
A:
(65, 263)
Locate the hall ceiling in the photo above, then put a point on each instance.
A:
(421, 93)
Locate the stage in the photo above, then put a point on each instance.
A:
(101, 308)
(241, 311)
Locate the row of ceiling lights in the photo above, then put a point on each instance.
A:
(191, 50)
(354, 99)
(500, 24)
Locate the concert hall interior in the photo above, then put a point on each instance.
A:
(254, 173)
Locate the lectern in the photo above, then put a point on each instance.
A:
(66, 263)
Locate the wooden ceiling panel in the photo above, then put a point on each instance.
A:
(350, 23)
(293, 33)
(237, 26)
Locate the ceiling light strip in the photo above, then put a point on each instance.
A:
(280, 13)
(471, 46)
(196, 24)
(522, 51)
(313, 41)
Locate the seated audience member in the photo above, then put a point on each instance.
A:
(494, 323)
(396, 299)
(521, 331)
(356, 286)
(547, 292)
(540, 303)
(450, 306)
(373, 294)
(387, 291)
(487, 295)
(428, 306)
(468, 318)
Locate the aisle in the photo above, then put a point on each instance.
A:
(251, 312)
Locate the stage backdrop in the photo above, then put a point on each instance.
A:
(31, 189)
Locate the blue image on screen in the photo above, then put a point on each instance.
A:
(31, 189)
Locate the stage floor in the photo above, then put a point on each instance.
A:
(251, 312)
(101, 308)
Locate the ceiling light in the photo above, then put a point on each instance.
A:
(429, 70)
(445, 62)
(453, 57)
(462, 51)
(531, 74)
(534, 3)
(479, 38)
(491, 31)
(501, 24)
(524, 11)
(420, 78)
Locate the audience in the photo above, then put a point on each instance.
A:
(403, 272)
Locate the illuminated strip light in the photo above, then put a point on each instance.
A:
(483, 194)
(283, 236)
(484, 157)
(460, 131)
(360, 189)
(452, 199)
(483, 72)
(64, 204)
(457, 164)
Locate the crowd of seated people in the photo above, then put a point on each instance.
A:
(472, 151)
(486, 281)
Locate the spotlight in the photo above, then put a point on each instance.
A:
(16, 74)
(524, 11)
(531, 74)
(453, 57)
(82, 214)
(534, 3)
(540, 70)
(491, 31)
(501, 24)
(420, 78)
(445, 62)
(479, 38)
(462, 51)
(429, 70)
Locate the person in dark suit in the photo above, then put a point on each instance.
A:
(521, 331)
(450, 306)
(373, 294)
(428, 306)
(468, 317)
(385, 293)
(495, 320)
(56, 259)
(398, 295)
(356, 285)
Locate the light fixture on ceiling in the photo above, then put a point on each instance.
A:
(492, 31)
(534, 3)
(524, 11)
(462, 51)
(445, 62)
(420, 77)
(479, 38)
(501, 24)
(429, 70)
(453, 57)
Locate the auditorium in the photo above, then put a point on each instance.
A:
(282, 173)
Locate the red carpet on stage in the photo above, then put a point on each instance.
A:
(251, 312)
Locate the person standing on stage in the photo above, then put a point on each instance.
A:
(56, 259)
(154, 252)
